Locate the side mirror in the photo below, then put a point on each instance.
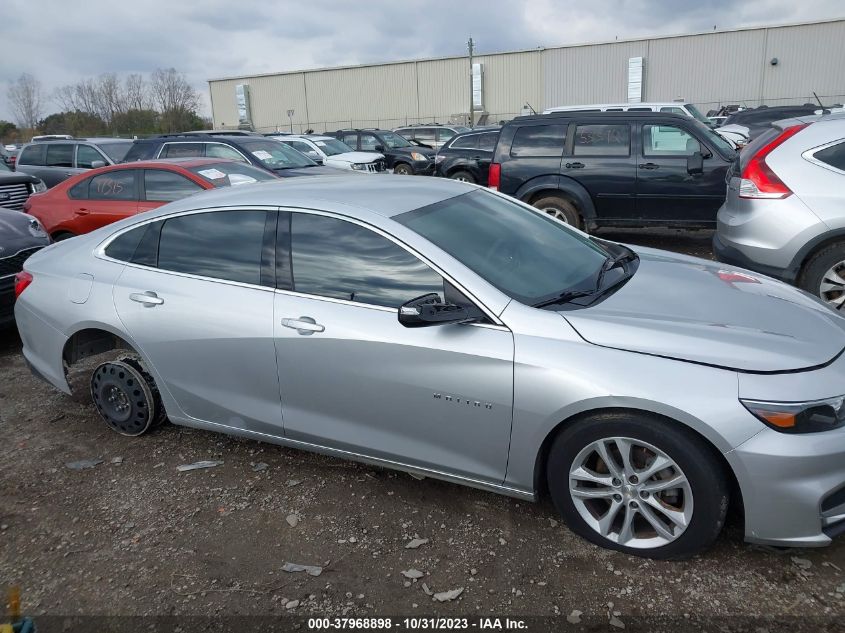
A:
(379, 148)
(95, 164)
(431, 310)
(695, 163)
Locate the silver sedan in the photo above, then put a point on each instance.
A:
(450, 331)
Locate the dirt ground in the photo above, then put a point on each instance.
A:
(133, 536)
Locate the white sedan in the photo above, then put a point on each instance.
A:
(334, 153)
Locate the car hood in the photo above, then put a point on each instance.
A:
(17, 232)
(700, 311)
(318, 170)
(357, 157)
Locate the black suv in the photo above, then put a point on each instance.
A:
(265, 153)
(402, 156)
(467, 157)
(594, 169)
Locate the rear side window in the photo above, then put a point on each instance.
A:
(602, 140)
(32, 155)
(80, 190)
(466, 142)
(165, 186)
(833, 156)
(221, 244)
(487, 142)
(182, 150)
(351, 140)
(59, 155)
(539, 140)
(114, 185)
(123, 246)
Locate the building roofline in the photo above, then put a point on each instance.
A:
(525, 50)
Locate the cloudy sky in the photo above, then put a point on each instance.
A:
(63, 41)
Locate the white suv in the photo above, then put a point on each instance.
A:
(334, 153)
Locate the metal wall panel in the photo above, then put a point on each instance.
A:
(271, 96)
(510, 81)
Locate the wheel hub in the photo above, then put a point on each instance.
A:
(832, 286)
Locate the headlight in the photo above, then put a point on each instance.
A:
(39, 186)
(439, 158)
(418, 156)
(359, 166)
(35, 228)
(800, 417)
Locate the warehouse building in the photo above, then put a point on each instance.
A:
(775, 65)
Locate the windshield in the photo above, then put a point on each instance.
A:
(723, 146)
(696, 113)
(275, 155)
(228, 174)
(525, 254)
(116, 151)
(393, 140)
(332, 147)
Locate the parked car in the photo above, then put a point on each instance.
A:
(17, 187)
(453, 332)
(20, 236)
(752, 122)
(265, 153)
(467, 156)
(108, 194)
(594, 169)
(432, 135)
(327, 150)
(673, 107)
(403, 157)
(56, 160)
(784, 215)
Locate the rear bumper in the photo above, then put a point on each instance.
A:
(7, 300)
(735, 257)
(42, 347)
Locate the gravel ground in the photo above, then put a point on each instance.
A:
(133, 536)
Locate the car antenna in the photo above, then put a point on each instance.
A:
(528, 105)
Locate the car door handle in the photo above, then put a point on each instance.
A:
(649, 166)
(81, 212)
(148, 298)
(574, 165)
(305, 325)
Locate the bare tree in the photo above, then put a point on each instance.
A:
(136, 94)
(110, 97)
(26, 98)
(174, 96)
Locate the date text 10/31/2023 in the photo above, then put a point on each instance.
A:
(417, 623)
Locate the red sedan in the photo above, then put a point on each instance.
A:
(101, 196)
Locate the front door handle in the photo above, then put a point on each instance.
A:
(649, 166)
(82, 211)
(305, 325)
(148, 298)
(574, 165)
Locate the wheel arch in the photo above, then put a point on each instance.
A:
(560, 186)
(93, 339)
(809, 250)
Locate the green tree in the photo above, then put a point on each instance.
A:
(135, 122)
(8, 130)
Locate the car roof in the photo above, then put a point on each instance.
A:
(603, 115)
(354, 195)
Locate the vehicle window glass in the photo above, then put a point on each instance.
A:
(80, 190)
(351, 140)
(123, 246)
(393, 140)
(539, 140)
(275, 155)
(302, 147)
(406, 132)
(332, 146)
(32, 155)
(833, 156)
(230, 174)
(86, 155)
(469, 141)
(118, 184)
(164, 186)
(602, 140)
(424, 135)
(182, 150)
(221, 244)
(668, 140)
(116, 151)
(487, 142)
(639, 110)
(216, 150)
(614, 110)
(674, 109)
(369, 142)
(59, 155)
(341, 260)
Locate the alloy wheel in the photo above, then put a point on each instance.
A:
(557, 214)
(832, 286)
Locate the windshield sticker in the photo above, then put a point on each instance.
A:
(262, 155)
(320, 143)
(212, 174)
(240, 179)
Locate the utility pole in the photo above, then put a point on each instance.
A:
(470, 47)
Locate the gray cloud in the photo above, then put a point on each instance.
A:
(60, 44)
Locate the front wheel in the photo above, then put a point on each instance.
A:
(560, 209)
(403, 169)
(638, 484)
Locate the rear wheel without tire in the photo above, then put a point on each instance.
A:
(463, 176)
(638, 484)
(403, 169)
(824, 275)
(561, 209)
(126, 397)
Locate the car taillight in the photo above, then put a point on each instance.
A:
(494, 176)
(22, 280)
(758, 179)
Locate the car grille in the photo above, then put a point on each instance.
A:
(14, 263)
(13, 196)
(378, 165)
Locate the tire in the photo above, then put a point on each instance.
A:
(560, 208)
(63, 235)
(600, 512)
(463, 176)
(829, 260)
(403, 169)
(126, 397)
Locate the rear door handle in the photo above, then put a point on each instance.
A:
(574, 165)
(148, 298)
(649, 166)
(305, 325)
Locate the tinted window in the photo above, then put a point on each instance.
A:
(406, 132)
(215, 150)
(602, 140)
(539, 140)
(444, 134)
(369, 142)
(123, 246)
(114, 185)
(640, 110)
(181, 150)
(59, 155)
(833, 156)
(466, 142)
(80, 190)
(32, 155)
(342, 260)
(668, 140)
(164, 186)
(424, 135)
(488, 142)
(116, 151)
(86, 155)
(222, 244)
(674, 109)
(351, 140)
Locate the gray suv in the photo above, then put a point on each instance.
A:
(56, 160)
(784, 215)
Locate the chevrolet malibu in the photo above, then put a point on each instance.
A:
(450, 331)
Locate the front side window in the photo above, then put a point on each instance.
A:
(341, 260)
(351, 140)
(393, 140)
(165, 186)
(60, 155)
(118, 184)
(117, 151)
(216, 150)
(369, 142)
(602, 140)
(539, 141)
(424, 135)
(32, 155)
(86, 156)
(221, 244)
(668, 140)
(182, 150)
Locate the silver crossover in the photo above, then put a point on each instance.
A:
(446, 330)
(784, 214)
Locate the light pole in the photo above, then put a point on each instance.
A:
(470, 47)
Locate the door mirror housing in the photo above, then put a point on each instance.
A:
(379, 148)
(95, 164)
(695, 163)
(431, 310)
